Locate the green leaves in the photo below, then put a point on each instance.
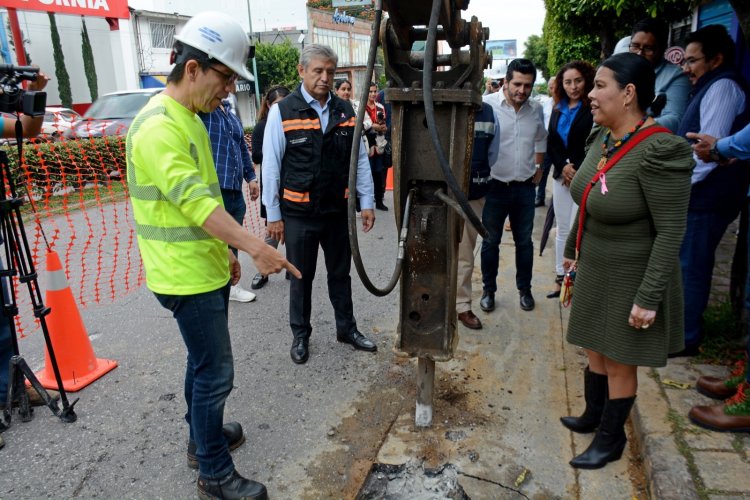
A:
(536, 51)
(63, 79)
(277, 65)
(589, 29)
(88, 62)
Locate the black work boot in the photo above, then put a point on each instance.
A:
(231, 486)
(232, 433)
(610, 440)
(595, 393)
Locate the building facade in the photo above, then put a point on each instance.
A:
(348, 36)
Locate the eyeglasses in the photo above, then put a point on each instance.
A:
(691, 60)
(637, 48)
(228, 78)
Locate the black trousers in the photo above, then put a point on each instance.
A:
(303, 236)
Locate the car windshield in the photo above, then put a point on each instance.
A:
(117, 106)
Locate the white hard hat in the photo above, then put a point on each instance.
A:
(622, 46)
(221, 38)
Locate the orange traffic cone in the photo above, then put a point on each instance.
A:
(75, 357)
(389, 180)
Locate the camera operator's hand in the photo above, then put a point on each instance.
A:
(39, 83)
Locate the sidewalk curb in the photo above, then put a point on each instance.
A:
(666, 468)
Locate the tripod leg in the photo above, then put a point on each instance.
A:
(67, 414)
(17, 394)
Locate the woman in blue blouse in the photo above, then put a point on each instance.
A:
(569, 126)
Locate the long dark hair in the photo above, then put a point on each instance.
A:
(586, 70)
(340, 83)
(273, 93)
(631, 68)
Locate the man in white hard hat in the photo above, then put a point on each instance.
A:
(183, 232)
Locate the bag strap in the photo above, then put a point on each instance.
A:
(611, 163)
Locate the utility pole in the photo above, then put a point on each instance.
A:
(255, 67)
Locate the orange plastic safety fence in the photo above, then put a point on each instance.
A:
(79, 192)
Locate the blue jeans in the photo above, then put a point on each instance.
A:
(234, 203)
(702, 235)
(514, 200)
(202, 319)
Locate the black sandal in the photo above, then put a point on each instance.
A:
(558, 281)
(258, 281)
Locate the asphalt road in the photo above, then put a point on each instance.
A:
(130, 437)
(314, 431)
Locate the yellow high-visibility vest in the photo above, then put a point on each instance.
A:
(173, 187)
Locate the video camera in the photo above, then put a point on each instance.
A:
(13, 98)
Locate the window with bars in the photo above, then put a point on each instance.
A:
(162, 35)
(337, 40)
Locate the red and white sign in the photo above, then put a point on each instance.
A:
(97, 8)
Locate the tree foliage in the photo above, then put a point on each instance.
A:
(88, 62)
(589, 29)
(536, 52)
(63, 80)
(277, 65)
(608, 20)
(563, 47)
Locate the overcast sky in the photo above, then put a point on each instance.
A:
(507, 19)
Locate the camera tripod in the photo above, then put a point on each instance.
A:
(19, 263)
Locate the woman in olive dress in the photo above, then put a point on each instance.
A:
(627, 307)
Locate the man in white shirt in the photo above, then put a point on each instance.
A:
(515, 176)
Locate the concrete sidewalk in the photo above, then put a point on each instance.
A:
(683, 460)
(497, 405)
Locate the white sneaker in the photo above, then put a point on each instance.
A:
(239, 294)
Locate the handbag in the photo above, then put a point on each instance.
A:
(643, 134)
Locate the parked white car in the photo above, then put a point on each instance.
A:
(111, 114)
(57, 121)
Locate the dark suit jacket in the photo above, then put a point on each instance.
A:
(579, 131)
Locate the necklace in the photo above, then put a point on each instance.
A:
(607, 152)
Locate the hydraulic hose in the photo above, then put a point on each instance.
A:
(429, 109)
(353, 164)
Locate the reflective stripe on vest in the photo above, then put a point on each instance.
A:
(352, 122)
(290, 125)
(171, 234)
(296, 197)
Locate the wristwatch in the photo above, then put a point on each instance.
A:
(715, 155)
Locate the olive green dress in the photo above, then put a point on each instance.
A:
(630, 250)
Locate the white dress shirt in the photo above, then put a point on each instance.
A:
(524, 134)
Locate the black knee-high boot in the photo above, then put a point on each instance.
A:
(609, 441)
(595, 393)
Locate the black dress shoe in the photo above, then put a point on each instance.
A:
(359, 341)
(527, 300)
(299, 351)
(487, 303)
(259, 280)
(232, 433)
(231, 486)
(381, 206)
(539, 203)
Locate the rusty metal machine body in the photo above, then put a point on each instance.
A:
(427, 323)
(433, 99)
